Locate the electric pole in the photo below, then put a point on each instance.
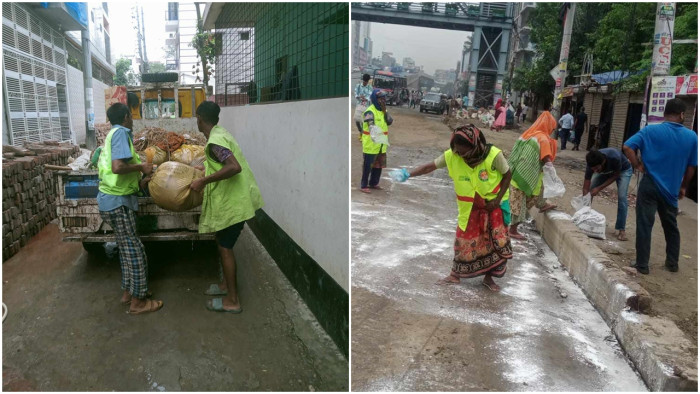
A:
(563, 57)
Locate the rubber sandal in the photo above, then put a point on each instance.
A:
(158, 304)
(214, 290)
(148, 295)
(365, 190)
(217, 305)
(489, 287)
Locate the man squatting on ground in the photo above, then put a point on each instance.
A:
(231, 196)
(609, 165)
(120, 173)
(669, 159)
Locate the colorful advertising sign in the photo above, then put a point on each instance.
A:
(687, 85)
(662, 90)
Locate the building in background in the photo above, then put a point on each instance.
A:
(521, 50)
(42, 69)
(388, 60)
(361, 44)
(180, 28)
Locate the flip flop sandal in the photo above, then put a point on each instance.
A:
(153, 306)
(148, 295)
(365, 190)
(214, 290)
(488, 286)
(217, 305)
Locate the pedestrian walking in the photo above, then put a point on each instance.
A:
(603, 167)
(480, 175)
(500, 116)
(465, 101)
(566, 122)
(120, 170)
(413, 96)
(531, 152)
(579, 127)
(362, 92)
(669, 160)
(524, 113)
(374, 154)
(518, 112)
(231, 196)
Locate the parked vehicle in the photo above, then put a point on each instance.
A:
(433, 102)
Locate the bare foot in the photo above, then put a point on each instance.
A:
(547, 207)
(490, 284)
(230, 305)
(448, 280)
(365, 190)
(126, 297)
(622, 236)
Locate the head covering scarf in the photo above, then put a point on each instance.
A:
(541, 130)
(374, 98)
(499, 104)
(476, 139)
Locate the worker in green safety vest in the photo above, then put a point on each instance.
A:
(231, 196)
(120, 173)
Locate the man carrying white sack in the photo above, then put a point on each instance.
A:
(231, 196)
(120, 171)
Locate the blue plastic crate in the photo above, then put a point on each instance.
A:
(82, 187)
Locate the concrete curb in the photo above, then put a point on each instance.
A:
(657, 347)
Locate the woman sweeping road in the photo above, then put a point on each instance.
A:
(500, 116)
(533, 150)
(481, 176)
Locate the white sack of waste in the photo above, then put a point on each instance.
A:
(553, 186)
(591, 222)
(580, 201)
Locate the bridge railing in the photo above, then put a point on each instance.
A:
(464, 10)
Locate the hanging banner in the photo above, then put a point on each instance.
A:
(663, 38)
(662, 90)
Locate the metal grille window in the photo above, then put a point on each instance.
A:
(34, 62)
(281, 52)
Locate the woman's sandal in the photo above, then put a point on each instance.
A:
(493, 287)
(152, 306)
(148, 295)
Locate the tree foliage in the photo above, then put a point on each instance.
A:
(124, 76)
(156, 67)
(204, 43)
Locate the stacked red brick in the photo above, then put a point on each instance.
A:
(29, 192)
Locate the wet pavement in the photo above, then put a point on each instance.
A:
(540, 333)
(67, 331)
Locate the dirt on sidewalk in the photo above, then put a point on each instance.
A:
(674, 294)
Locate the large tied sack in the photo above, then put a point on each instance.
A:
(553, 186)
(155, 155)
(359, 112)
(591, 222)
(170, 187)
(192, 155)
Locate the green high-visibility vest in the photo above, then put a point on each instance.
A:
(116, 184)
(468, 181)
(369, 146)
(231, 200)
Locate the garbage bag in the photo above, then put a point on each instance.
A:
(580, 201)
(170, 187)
(155, 155)
(591, 222)
(378, 136)
(189, 154)
(359, 110)
(553, 186)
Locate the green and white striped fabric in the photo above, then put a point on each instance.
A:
(524, 162)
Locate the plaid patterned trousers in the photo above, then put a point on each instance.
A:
(132, 254)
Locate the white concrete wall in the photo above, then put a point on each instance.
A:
(298, 152)
(76, 102)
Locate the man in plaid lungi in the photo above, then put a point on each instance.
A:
(120, 178)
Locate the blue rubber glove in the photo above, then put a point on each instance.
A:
(401, 175)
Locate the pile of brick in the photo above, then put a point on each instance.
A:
(29, 191)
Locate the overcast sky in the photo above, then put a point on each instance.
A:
(123, 32)
(432, 48)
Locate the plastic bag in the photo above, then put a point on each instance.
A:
(170, 187)
(155, 155)
(378, 136)
(359, 110)
(579, 202)
(189, 154)
(400, 175)
(553, 186)
(591, 222)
